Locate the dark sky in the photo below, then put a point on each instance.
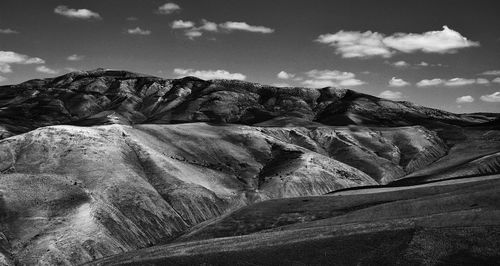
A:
(352, 44)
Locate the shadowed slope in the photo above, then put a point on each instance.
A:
(452, 222)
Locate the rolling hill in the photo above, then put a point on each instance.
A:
(98, 165)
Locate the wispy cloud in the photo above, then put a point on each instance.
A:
(491, 73)
(192, 31)
(76, 13)
(459, 82)
(496, 80)
(8, 31)
(482, 81)
(391, 95)
(138, 31)
(404, 64)
(209, 74)
(75, 57)
(243, 26)
(454, 82)
(168, 8)
(355, 44)
(430, 82)
(492, 98)
(192, 34)
(47, 70)
(401, 64)
(396, 82)
(465, 99)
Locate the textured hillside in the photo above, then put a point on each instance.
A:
(447, 223)
(102, 162)
(106, 189)
(118, 97)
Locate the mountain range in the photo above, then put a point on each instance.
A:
(111, 167)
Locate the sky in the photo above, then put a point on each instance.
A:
(441, 53)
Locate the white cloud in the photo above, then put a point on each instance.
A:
(46, 70)
(400, 64)
(403, 64)
(459, 82)
(191, 34)
(209, 74)
(429, 82)
(193, 31)
(496, 80)
(330, 74)
(2, 79)
(243, 26)
(138, 31)
(76, 13)
(491, 73)
(5, 68)
(168, 8)
(351, 44)
(492, 98)
(285, 75)
(331, 78)
(75, 57)
(209, 26)
(454, 82)
(34, 60)
(8, 31)
(7, 58)
(465, 99)
(391, 95)
(482, 81)
(181, 24)
(444, 41)
(395, 82)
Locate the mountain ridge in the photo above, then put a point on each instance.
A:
(113, 96)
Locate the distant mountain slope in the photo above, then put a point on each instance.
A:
(118, 97)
